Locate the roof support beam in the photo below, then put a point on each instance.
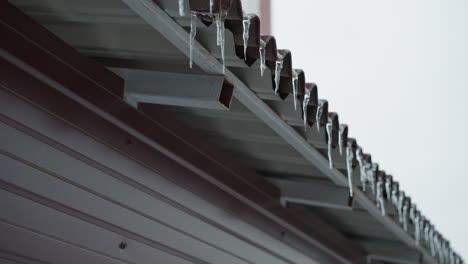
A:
(312, 193)
(178, 89)
(164, 24)
(390, 252)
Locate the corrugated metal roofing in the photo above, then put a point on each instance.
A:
(114, 35)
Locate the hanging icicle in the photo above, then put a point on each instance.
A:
(362, 167)
(427, 227)
(349, 167)
(295, 81)
(371, 175)
(245, 34)
(388, 188)
(319, 113)
(211, 6)
(262, 56)
(401, 198)
(181, 8)
(340, 138)
(329, 128)
(379, 196)
(193, 33)
(220, 31)
(395, 195)
(278, 68)
(405, 214)
(431, 241)
(417, 228)
(305, 103)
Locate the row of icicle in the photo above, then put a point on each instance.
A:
(423, 230)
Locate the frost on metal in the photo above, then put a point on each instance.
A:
(349, 167)
(340, 138)
(245, 34)
(295, 80)
(362, 167)
(193, 33)
(262, 56)
(181, 8)
(305, 103)
(278, 68)
(379, 195)
(329, 129)
(220, 31)
(319, 113)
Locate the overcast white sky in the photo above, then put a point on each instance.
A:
(397, 73)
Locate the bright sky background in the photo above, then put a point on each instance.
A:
(397, 74)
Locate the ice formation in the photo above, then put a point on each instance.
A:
(305, 103)
(319, 113)
(193, 33)
(181, 8)
(349, 167)
(245, 34)
(278, 68)
(341, 139)
(330, 142)
(379, 196)
(262, 56)
(401, 198)
(295, 83)
(362, 167)
(219, 19)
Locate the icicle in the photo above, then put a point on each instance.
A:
(405, 215)
(305, 103)
(330, 142)
(431, 241)
(219, 18)
(371, 175)
(395, 196)
(349, 167)
(319, 113)
(379, 196)
(388, 188)
(211, 6)
(340, 138)
(181, 8)
(401, 198)
(295, 83)
(427, 227)
(412, 212)
(362, 168)
(262, 56)
(278, 68)
(417, 228)
(245, 35)
(193, 33)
